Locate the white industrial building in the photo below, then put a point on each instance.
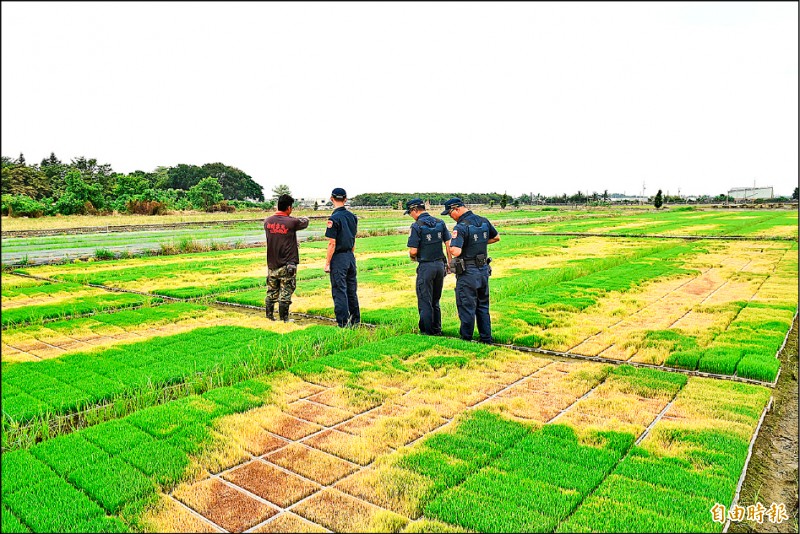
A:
(750, 193)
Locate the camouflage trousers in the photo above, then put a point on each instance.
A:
(281, 283)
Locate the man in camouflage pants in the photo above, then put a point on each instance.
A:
(283, 255)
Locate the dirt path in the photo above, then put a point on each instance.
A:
(772, 473)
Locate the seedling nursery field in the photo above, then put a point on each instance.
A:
(635, 358)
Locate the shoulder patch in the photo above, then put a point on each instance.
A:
(330, 223)
(455, 233)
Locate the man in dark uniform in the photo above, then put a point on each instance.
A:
(468, 246)
(341, 261)
(283, 256)
(425, 246)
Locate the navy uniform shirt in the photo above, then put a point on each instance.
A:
(342, 226)
(477, 232)
(429, 247)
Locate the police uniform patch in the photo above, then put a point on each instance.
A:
(455, 233)
(330, 223)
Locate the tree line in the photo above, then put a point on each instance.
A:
(84, 186)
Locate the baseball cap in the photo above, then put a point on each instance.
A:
(413, 203)
(339, 193)
(454, 202)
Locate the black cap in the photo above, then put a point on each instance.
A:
(454, 202)
(339, 193)
(413, 203)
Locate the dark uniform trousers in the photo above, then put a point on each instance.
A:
(343, 288)
(472, 301)
(430, 280)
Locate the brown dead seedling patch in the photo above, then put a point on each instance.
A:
(169, 516)
(543, 396)
(340, 512)
(357, 449)
(289, 522)
(317, 413)
(229, 508)
(316, 465)
(277, 422)
(271, 483)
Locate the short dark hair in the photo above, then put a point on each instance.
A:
(284, 202)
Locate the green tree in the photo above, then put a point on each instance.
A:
(205, 194)
(79, 197)
(20, 179)
(503, 201)
(131, 184)
(96, 173)
(515, 203)
(794, 195)
(280, 189)
(658, 201)
(55, 171)
(184, 176)
(235, 183)
(316, 205)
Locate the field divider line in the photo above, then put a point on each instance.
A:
(39, 358)
(276, 516)
(658, 236)
(728, 281)
(576, 401)
(658, 418)
(511, 385)
(659, 299)
(360, 468)
(786, 338)
(747, 460)
(247, 492)
(197, 514)
(447, 421)
(574, 356)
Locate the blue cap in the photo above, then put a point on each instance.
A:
(454, 202)
(413, 203)
(339, 193)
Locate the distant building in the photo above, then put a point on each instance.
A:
(750, 193)
(309, 202)
(622, 198)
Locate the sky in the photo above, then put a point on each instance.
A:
(543, 98)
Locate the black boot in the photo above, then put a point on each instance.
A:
(270, 310)
(283, 311)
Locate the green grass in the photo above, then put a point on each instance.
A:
(53, 505)
(111, 483)
(77, 380)
(526, 480)
(700, 468)
(10, 523)
(77, 306)
(40, 288)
